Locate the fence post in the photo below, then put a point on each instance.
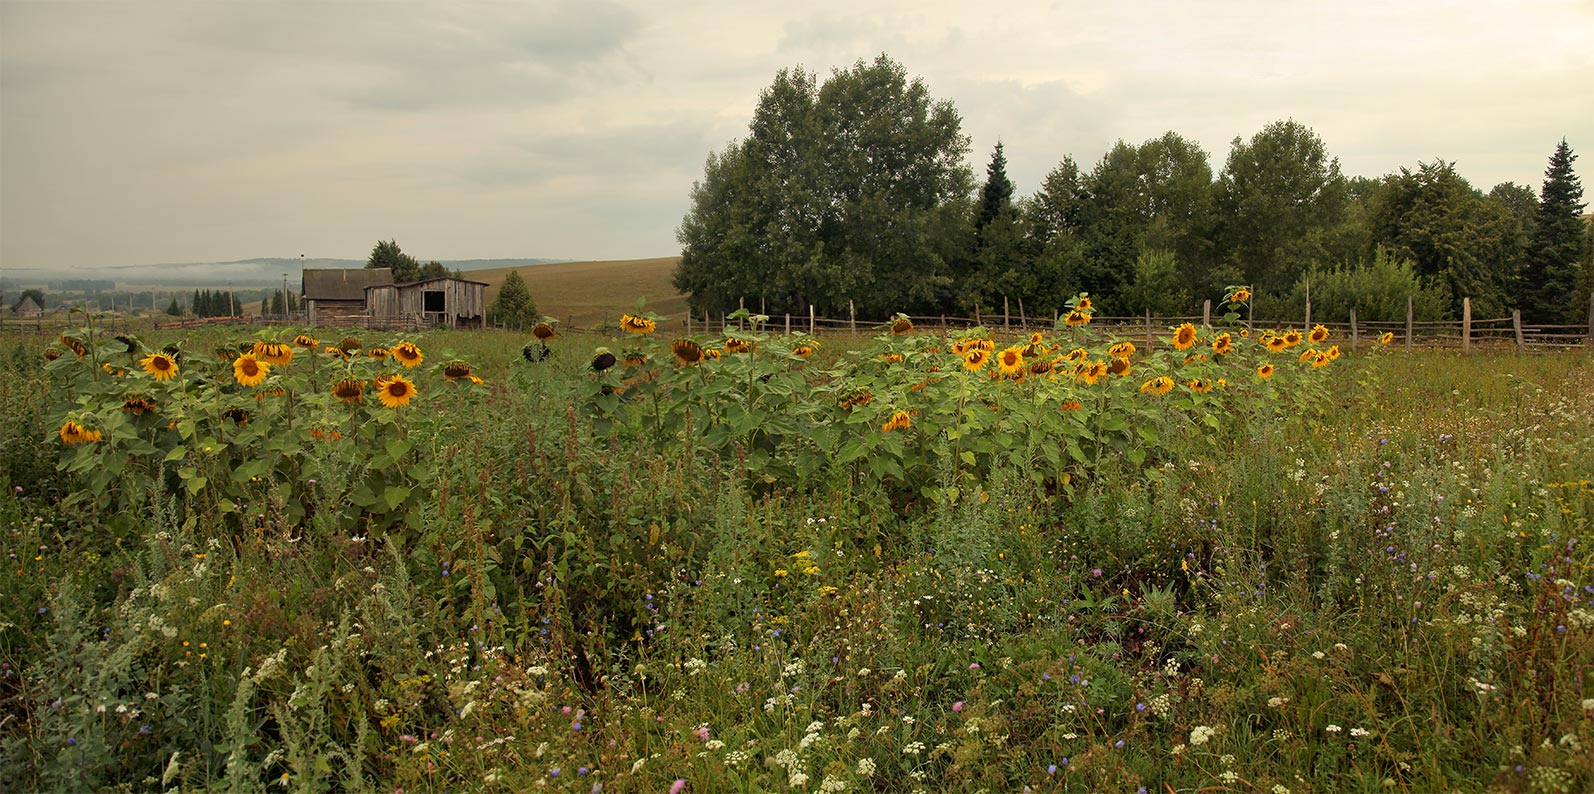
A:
(1516, 325)
(1466, 325)
(977, 320)
(1352, 330)
(1149, 337)
(1308, 304)
(1023, 322)
(852, 316)
(788, 323)
(1591, 320)
(1408, 322)
(1206, 312)
(1007, 316)
(811, 330)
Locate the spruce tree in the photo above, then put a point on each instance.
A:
(1550, 274)
(513, 306)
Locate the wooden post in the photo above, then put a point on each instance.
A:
(852, 316)
(788, 323)
(1149, 337)
(977, 320)
(1308, 304)
(1516, 325)
(1206, 312)
(1023, 322)
(811, 325)
(1007, 317)
(1408, 322)
(1353, 330)
(1466, 325)
(1591, 320)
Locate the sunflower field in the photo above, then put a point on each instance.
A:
(1222, 558)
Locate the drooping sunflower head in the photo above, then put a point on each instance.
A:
(130, 343)
(249, 371)
(1071, 405)
(1122, 350)
(1308, 354)
(635, 359)
(1162, 384)
(378, 353)
(1265, 371)
(901, 325)
(1276, 344)
(1037, 338)
(1092, 371)
(1389, 336)
(1239, 295)
(239, 416)
(1223, 345)
(1320, 359)
(988, 345)
(737, 345)
(857, 398)
(712, 352)
(1083, 305)
(349, 344)
(138, 404)
(1118, 367)
(1040, 366)
(1184, 337)
(1318, 334)
(394, 391)
(962, 346)
(276, 354)
(159, 366)
(337, 353)
(1078, 355)
(974, 359)
(805, 349)
(1076, 318)
(602, 360)
(349, 390)
(1199, 386)
(51, 354)
(306, 341)
(1010, 361)
(75, 345)
(542, 332)
(456, 370)
(1292, 338)
(535, 352)
(74, 432)
(892, 358)
(686, 351)
(900, 420)
(641, 326)
(408, 354)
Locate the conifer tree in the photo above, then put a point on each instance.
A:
(1550, 274)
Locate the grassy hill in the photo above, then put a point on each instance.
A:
(584, 294)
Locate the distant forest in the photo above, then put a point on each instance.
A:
(858, 189)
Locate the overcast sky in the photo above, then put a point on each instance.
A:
(144, 132)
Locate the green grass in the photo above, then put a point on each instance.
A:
(1386, 589)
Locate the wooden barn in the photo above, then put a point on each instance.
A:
(452, 302)
(368, 297)
(336, 296)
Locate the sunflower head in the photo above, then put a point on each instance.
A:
(349, 390)
(1076, 318)
(1071, 405)
(1161, 384)
(74, 432)
(712, 352)
(641, 326)
(962, 346)
(1292, 338)
(138, 404)
(1389, 336)
(1118, 367)
(239, 416)
(394, 391)
(306, 341)
(129, 342)
(1239, 295)
(901, 325)
(900, 420)
(51, 354)
(276, 354)
(1083, 305)
(805, 349)
(75, 345)
(349, 344)
(378, 353)
(408, 354)
(249, 371)
(1223, 345)
(635, 359)
(686, 351)
(1321, 359)
(1200, 386)
(1333, 352)
(1308, 354)
(1077, 355)
(1122, 350)
(338, 353)
(542, 332)
(1276, 344)
(1010, 361)
(1318, 334)
(159, 366)
(1092, 372)
(602, 360)
(974, 360)
(456, 370)
(737, 345)
(1265, 371)
(1184, 337)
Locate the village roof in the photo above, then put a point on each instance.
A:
(344, 283)
(430, 280)
(25, 306)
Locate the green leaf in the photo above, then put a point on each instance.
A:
(394, 496)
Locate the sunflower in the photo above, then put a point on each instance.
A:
(75, 433)
(901, 325)
(602, 360)
(1092, 372)
(1223, 345)
(736, 345)
(306, 341)
(1308, 354)
(159, 366)
(378, 353)
(988, 345)
(1010, 361)
(1122, 350)
(276, 354)
(349, 390)
(805, 349)
(51, 354)
(713, 352)
(249, 371)
(1292, 338)
(1240, 295)
(1184, 337)
(892, 358)
(1162, 384)
(1076, 317)
(76, 346)
(637, 325)
(898, 421)
(1389, 336)
(113, 371)
(1276, 344)
(477, 381)
(338, 353)
(1040, 367)
(394, 391)
(1199, 386)
(456, 370)
(239, 416)
(1193, 357)
(1071, 405)
(686, 351)
(1077, 355)
(138, 404)
(974, 360)
(962, 346)
(1321, 359)
(1084, 305)
(408, 354)
(860, 397)
(1265, 371)
(1333, 352)
(349, 344)
(264, 393)
(542, 332)
(1118, 367)
(1318, 334)
(633, 359)
(1036, 338)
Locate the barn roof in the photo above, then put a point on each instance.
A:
(441, 278)
(343, 283)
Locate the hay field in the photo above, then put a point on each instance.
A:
(584, 294)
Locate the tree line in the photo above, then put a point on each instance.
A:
(858, 189)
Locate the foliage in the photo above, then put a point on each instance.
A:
(1551, 271)
(513, 306)
(1377, 290)
(387, 254)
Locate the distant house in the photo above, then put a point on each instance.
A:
(26, 308)
(368, 296)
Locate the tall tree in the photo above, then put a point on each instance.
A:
(995, 267)
(1550, 274)
(1278, 200)
(387, 254)
(852, 189)
(513, 306)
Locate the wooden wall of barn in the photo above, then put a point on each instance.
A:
(464, 302)
(334, 312)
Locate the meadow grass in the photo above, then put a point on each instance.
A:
(1385, 588)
